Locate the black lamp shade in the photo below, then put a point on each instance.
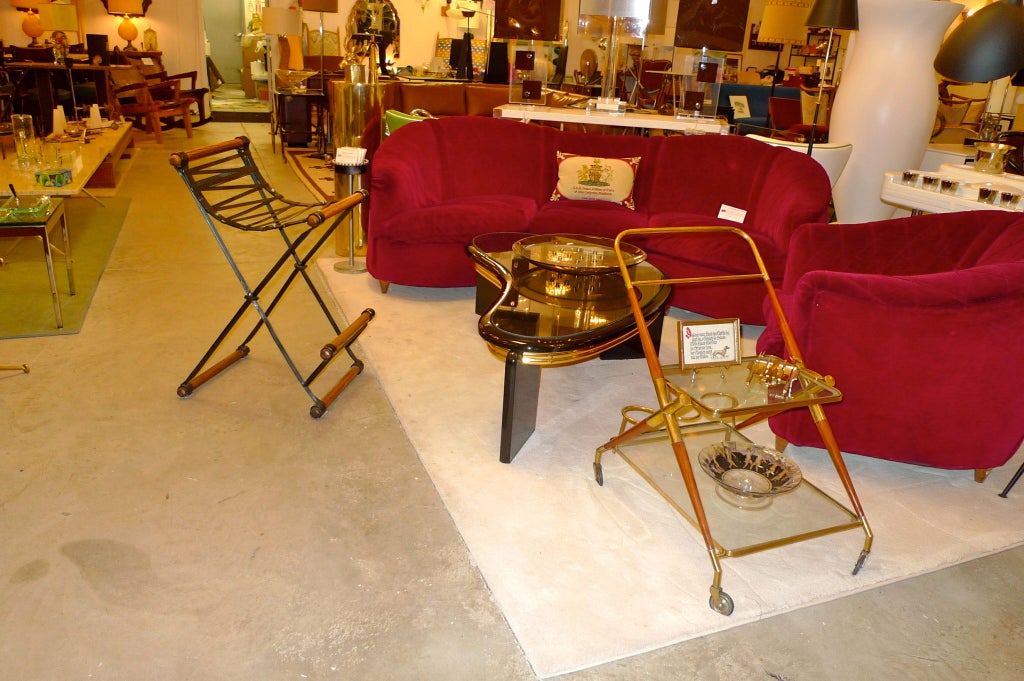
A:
(837, 14)
(987, 46)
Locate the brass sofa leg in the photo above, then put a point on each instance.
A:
(980, 474)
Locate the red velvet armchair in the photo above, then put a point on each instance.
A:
(920, 321)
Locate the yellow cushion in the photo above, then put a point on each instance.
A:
(596, 179)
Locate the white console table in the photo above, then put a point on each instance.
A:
(631, 119)
(919, 199)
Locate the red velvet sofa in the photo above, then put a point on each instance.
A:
(919, 321)
(437, 184)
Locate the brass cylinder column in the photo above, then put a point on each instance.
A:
(357, 119)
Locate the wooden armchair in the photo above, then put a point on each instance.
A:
(148, 103)
(187, 88)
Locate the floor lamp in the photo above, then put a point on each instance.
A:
(321, 6)
(986, 46)
(830, 14)
(784, 22)
(278, 21)
(63, 18)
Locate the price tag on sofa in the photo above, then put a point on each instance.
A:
(732, 214)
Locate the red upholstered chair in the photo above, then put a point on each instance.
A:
(787, 119)
(917, 319)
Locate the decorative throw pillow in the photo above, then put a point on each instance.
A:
(596, 179)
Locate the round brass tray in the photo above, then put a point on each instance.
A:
(576, 254)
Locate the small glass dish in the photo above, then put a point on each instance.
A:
(749, 475)
(24, 207)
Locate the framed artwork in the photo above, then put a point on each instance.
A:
(740, 106)
(712, 24)
(527, 19)
(712, 342)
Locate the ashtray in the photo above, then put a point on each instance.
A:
(749, 475)
(24, 207)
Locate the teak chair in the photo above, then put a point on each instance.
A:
(187, 88)
(231, 192)
(150, 102)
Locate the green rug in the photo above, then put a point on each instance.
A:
(26, 308)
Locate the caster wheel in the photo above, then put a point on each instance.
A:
(723, 605)
(598, 474)
(184, 390)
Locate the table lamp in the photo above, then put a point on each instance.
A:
(830, 14)
(128, 9)
(30, 25)
(621, 18)
(784, 22)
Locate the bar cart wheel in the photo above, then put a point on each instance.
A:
(721, 602)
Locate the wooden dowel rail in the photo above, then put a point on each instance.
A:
(318, 410)
(337, 208)
(188, 387)
(181, 158)
(345, 338)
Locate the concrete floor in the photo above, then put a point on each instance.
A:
(229, 536)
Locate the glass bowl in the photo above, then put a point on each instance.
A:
(749, 475)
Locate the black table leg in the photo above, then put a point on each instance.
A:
(519, 405)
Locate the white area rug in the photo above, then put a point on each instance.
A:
(588, 574)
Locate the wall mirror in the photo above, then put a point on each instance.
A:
(376, 20)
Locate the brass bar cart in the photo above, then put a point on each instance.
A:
(699, 407)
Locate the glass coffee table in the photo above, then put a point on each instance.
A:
(36, 216)
(555, 300)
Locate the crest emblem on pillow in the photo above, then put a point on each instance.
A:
(590, 178)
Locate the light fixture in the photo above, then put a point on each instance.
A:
(278, 21)
(128, 9)
(622, 18)
(321, 6)
(30, 24)
(830, 14)
(784, 22)
(986, 46)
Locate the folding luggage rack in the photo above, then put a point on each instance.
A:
(230, 190)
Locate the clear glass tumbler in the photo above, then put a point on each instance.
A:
(25, 142)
